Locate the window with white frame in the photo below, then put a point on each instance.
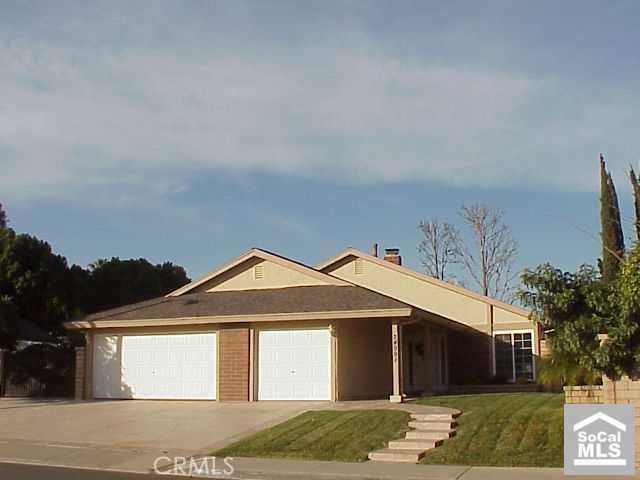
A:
(513, 354)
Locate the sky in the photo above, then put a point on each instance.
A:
(192, 131)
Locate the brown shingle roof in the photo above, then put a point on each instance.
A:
(325, 298)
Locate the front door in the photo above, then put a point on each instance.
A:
(414, 360)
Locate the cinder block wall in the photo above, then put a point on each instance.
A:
(233, 361)
(584, 394)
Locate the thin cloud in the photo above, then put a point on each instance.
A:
(72, 117)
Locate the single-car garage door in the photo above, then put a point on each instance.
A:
(180, 366)
(294, 364)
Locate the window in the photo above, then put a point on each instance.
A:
(513, 355)
(503, 353)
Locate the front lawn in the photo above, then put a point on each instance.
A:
(507, 429)
(346, 436)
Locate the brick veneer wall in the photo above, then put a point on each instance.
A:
(79, 373)
(233, 368)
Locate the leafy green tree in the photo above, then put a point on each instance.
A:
(636, 199)
(622, 348)
(612, 236)
(571, 307)
(37, 282)
(8, 311)
(115, 282)
(576, 308)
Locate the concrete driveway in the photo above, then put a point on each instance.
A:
(128, 434)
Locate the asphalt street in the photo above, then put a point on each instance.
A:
(15, 471)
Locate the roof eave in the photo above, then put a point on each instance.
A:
(272, 317)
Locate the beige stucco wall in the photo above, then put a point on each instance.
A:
(512, 320)
(432, 298)
(241, 277)
(364, 359)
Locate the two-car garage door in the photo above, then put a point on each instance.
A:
(181, 366)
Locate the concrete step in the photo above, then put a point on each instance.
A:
(408, 444)
(434, 417)
(432, 426)
(429, 435)
(399, 456)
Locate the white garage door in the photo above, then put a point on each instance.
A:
(294, 365)
(155, 366)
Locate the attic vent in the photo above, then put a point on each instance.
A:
(358, 266)
(258, 272)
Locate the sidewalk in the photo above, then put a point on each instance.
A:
(271, 469)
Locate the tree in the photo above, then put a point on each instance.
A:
(8, 311)
(636, 198)
(36, 282)
(115, 282)
(490, 261)
(3, 218)
(440, 247)
(571, 307)
(612, 236)
(576, 308)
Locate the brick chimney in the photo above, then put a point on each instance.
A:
(393, 255)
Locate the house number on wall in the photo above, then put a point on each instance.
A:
(394, 340)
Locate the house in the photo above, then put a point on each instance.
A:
(264, 327)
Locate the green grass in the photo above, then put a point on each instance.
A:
(510, 429)
(346, 436)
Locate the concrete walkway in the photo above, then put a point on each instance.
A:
(271, 469)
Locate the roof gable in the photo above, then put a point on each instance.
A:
(258, 269)
(417, 289)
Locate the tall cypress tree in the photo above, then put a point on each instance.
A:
(636, 198)
(612, 237)
(3, 216)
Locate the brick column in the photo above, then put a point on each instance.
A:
(233, 370)
(79, 374)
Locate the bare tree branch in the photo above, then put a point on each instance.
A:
(440, 248)
(490, 261)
